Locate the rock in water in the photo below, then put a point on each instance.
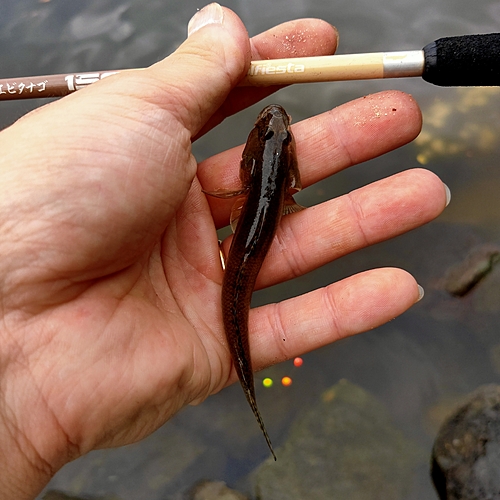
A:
(345, 447)
(214, 490)
(466, 453)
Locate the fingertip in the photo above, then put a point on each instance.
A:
(399, 290)
(395, 111)
(223, 32)
(432, 190)
(369, 299)
(196, 79)
(298, 38)
(404, 112)
(389, 291)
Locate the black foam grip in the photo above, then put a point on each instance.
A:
(469, 60)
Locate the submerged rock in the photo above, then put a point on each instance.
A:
(59, 495)
(214, 490)
(462, 278)
(466, 453)
(344, 447)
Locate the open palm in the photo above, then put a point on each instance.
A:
(110, 270)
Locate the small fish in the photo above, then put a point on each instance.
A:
(269, 176)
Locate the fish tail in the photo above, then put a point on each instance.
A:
(253, 404)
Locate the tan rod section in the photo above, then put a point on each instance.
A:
(335, 68)
(261, 73)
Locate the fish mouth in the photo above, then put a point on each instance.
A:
(274, 112)
(273, 120)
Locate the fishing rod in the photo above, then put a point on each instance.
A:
(467, 60)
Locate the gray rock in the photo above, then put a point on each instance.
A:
(214, 490)
(59, 495)
(463, 277)
(466, 453)
(344, 447)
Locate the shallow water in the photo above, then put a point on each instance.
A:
(441, 349)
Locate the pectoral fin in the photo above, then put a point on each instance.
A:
(238, 205)
(290, 206)
(295, 185)
(236, 211)
(225, 193)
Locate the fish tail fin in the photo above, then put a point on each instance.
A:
(253, 404)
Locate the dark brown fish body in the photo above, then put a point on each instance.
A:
(268, 174)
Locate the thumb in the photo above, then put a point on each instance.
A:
(195, 80)
(117, 154)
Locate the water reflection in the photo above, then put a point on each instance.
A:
(441, 349)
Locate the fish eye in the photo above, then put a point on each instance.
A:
(269, 134)
(288, 137)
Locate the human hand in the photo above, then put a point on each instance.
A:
(109, 270)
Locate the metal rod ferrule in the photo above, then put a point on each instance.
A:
(403, 64)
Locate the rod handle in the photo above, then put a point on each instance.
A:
(468, 60)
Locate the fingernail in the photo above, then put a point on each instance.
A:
(210, 14)
(448, 194)
(420, 293)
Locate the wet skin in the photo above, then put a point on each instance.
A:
(269, 176)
